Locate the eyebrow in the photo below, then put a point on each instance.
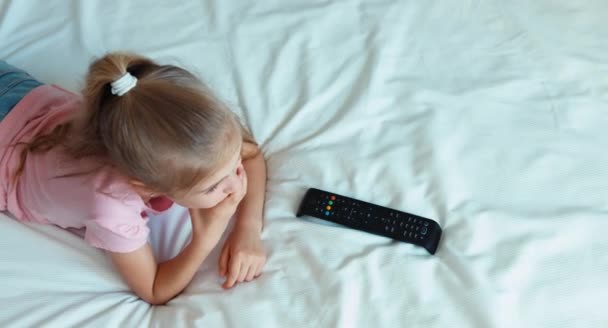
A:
(224, 178)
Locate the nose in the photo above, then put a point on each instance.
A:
(240, 170)
(233, 182)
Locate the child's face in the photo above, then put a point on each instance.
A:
(228, 179)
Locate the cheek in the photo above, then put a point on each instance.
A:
(207, 201)
(200, 201)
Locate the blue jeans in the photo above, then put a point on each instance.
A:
(14, 85)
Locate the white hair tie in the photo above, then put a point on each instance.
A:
(123, 84)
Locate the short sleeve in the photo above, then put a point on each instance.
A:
(116, 234)
(116, 222)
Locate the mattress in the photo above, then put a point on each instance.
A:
(490, 117)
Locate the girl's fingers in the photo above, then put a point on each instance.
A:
(243, 271)
(224, 261)
(258, 270)
(251, 272)
(233, 272)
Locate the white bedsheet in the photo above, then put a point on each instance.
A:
(489, 116)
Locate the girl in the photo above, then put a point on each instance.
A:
(142, 137)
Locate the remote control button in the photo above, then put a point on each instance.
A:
(326, 213)
(330, 202)
(328, 208)
(424, 231)
(332, 197)
(426, 224)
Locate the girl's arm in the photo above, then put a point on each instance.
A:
(243, 255)
(159, 283)
(250, 212)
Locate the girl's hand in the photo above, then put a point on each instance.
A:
(243, 256)
(209, 224)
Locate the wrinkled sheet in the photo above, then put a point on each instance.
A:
(490, 117)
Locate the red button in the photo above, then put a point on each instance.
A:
(333, 197)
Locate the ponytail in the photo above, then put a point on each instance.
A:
(99, 99)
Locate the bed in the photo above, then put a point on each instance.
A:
(490, 117)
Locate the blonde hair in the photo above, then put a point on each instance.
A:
(168, 132)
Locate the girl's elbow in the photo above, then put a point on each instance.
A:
(152, 298)
(157, 302)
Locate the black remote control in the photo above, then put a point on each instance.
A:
(379, 220)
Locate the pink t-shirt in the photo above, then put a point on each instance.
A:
(99, 199)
